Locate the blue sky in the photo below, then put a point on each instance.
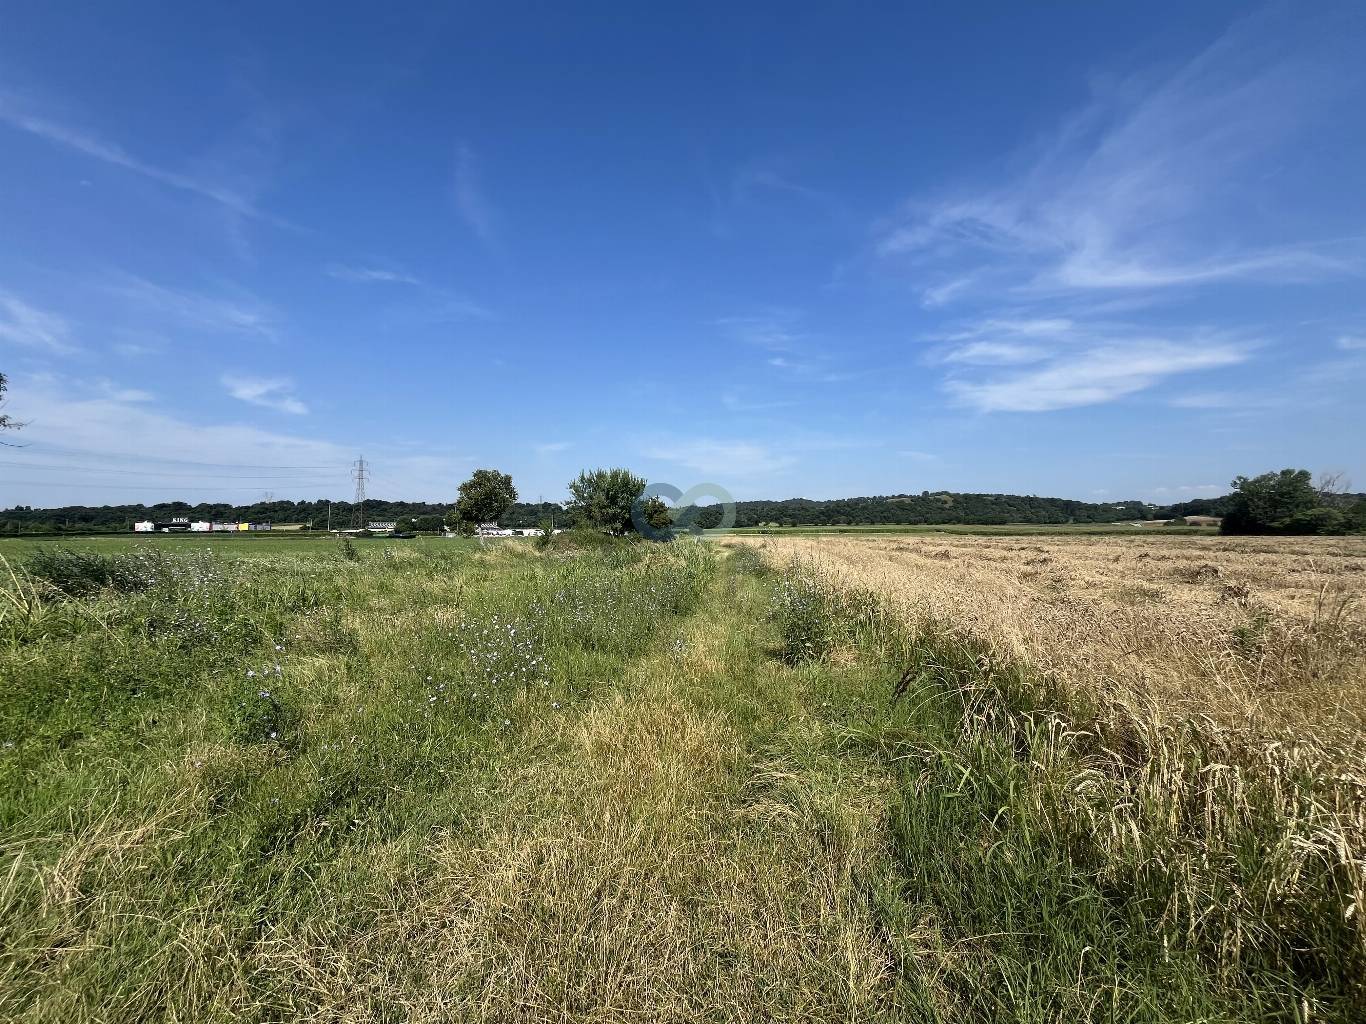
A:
(1092, 250)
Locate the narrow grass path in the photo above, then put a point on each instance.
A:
(689, 846)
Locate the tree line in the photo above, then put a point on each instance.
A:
(1289, 501)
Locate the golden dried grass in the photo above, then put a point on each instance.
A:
(1192, 710)
(1265, 635)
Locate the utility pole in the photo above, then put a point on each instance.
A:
(359, 474)
(329, 517)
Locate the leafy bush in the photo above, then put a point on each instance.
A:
(584, 538)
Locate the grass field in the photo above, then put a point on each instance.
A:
(271, 779)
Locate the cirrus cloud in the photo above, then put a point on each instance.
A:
(1095, 374)
(268, 392)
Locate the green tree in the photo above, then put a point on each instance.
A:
(658, 515)
(603, 498)
(427, 524)
(484, 497)
(1284, 502)
(1356, 517)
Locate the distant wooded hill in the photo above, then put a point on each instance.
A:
(928, 508)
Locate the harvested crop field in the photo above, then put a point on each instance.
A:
(1265, 633)
(1189, 714)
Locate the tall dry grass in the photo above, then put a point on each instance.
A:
(1188, 717)
(1264, 636)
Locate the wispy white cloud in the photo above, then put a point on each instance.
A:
(917, 456)
(1015, 326)
(241, 313)
(105, 445)
(368, 275)
(26, 326)
(733, 401)
(269, 392)
(812, 370)
(759, 185)
(471, 202)
(552, 447)
(120, 393)
(133, 345)
(730, 459)
(946, 289)
(773, 331)
(1146, 188)
(995, 353)
(1350, 343)
(769, 176)
(1094, 374)
(1210, 400)
(20, 115)
(795, 354)
(433, 304)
